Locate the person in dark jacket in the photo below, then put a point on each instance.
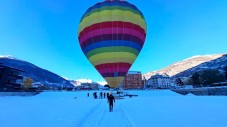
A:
(111, 100)
(100, 95)
(107, 96)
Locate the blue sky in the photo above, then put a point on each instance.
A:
(44, 32)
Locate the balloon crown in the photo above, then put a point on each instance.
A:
(114, 0)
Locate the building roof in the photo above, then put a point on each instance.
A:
(134, 72)
(159, 76)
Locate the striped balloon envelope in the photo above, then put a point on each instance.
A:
(111, 35)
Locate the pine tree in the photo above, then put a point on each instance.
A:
(195, 79)
(179, 82)
(225, 70)
(209, 77)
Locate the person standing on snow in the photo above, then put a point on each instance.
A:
(100, 95)
(111, 100)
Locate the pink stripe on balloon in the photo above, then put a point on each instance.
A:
(111, 31)
(112, 69)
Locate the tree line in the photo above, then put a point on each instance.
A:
(207, 77)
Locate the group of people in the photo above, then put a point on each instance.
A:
(110, 98)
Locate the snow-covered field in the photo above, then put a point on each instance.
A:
(161, 108)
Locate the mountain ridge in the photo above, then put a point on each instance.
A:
(188, 66)
(36, 73)
(184, 68)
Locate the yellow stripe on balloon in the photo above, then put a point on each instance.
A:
(112, 15)
(114, 81)
(113, 55)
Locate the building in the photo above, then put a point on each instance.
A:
(92, 85)
(159, 82)
(133, 80)
(10, 78)
(86, 85)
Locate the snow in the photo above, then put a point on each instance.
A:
(153, 108)
(213, 56)
(102, 83)
(7, 56)
(178, 63)
(10, 57)
(90, 81)
(84, 80)
(196, 56)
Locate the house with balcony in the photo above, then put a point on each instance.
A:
(159, 82)
(10, 78)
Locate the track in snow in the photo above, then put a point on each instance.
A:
(99, 116)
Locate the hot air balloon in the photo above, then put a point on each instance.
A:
(111, 35)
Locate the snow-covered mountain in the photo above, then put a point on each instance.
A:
(36, 73)
(193, 64)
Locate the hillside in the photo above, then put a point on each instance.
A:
(187, 67)
(36, 73)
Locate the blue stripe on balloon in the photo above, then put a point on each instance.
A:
(112, 43)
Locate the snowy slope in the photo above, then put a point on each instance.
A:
(187, 67)
(36, 73)
(150, 109)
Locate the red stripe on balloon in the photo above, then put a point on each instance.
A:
(113, 65)
(112, 25)
(116, 30)
(113, 69)
(109, 69)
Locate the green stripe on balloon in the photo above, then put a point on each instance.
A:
(112, 49)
